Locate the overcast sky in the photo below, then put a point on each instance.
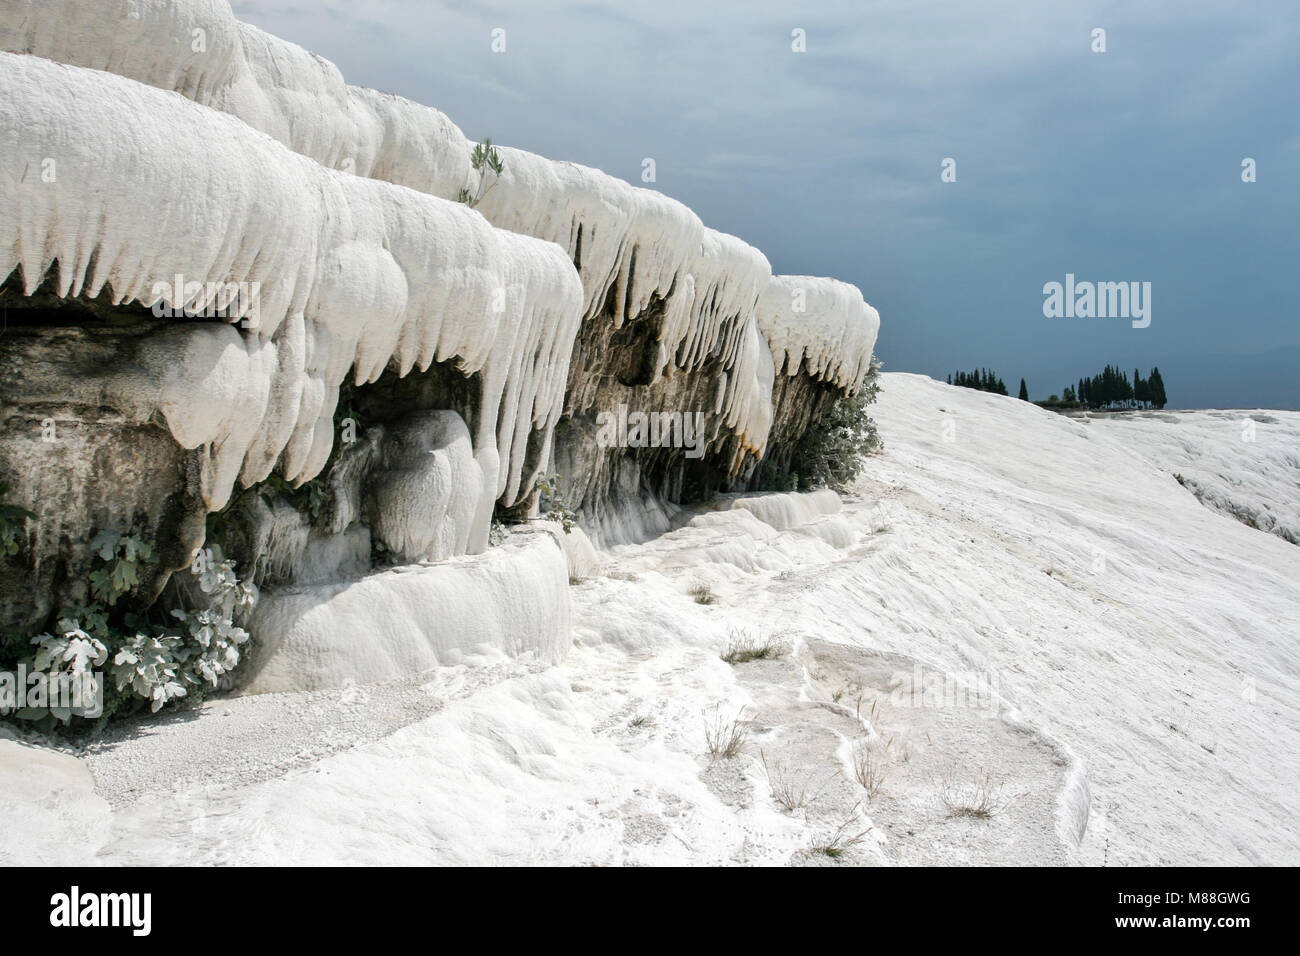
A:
(1117, 166)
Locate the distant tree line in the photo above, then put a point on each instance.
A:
(981, 379)
(1111, 389)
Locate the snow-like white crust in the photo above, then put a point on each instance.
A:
(632, 246)
(510, 601)
(353, 274)
(822, 325)
(198, 49)
(784, 511)
(1061, 686)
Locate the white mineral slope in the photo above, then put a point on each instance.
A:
(1132, 655)
(1156, 638)
(1234, 461)
(352, 275)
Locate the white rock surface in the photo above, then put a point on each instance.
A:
(48, 806)
(426, 495)
(792, 510)
(581, 555)
(511, 601)
(1232, 460)
(1137, 710)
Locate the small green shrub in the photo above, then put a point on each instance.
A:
(123, 555)
(484, 158)
(551, 503)
(74, 653)
(149, 665)
(830, 454)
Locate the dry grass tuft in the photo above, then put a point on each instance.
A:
(871, 765)
(980, 799)
(725, 737)
(743, 647)
(789, 791)
(842, 838)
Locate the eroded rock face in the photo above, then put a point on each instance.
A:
(79, 450)
(799, 402)
(410, 365)
(625, 492)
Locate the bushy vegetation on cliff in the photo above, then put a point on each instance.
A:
(109, 660)
(831, 454)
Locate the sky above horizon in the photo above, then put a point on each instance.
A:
(1122, 166)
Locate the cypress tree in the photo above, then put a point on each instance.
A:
(1157, 386)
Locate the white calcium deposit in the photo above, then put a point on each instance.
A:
(631, 246)
(820, 326)
(157, 151)
(354, 275)
(1114, 657)
(511, 601)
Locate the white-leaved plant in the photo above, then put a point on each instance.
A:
(123, 555)
(149, 665)
(213, 637)
(158, 664)
(161, 667)
(72, 652)
(218, 640)
(227, 593)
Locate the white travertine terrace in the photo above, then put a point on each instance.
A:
(185, 143)
(632, 246)
(820, 324)
(353, 273)
(198, 49)
(510, 601)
